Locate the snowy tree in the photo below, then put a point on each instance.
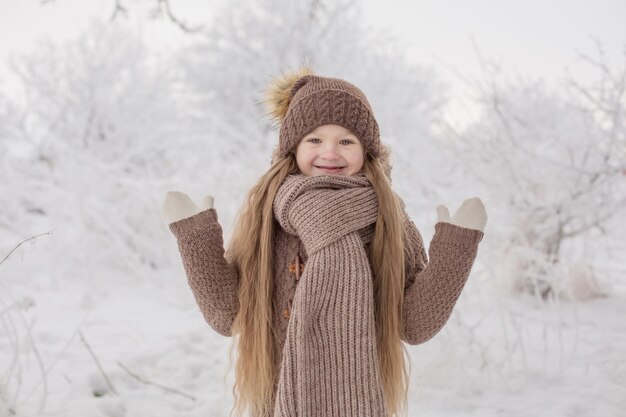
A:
(98, 118)
(4, 123)
(553, 163)
(251, 41)
(109, 124)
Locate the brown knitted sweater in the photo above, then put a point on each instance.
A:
(431, 290)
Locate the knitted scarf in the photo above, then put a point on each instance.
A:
(330, 362)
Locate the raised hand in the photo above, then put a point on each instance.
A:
(178, 206)
(471, 214)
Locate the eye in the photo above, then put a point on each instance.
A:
(347, 141)
(312, 140)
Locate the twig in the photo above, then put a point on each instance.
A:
(14, 364)
(51, 366)
(164, 7)
(118, 9)
(165, 4)
(164, 388)
(104, 375)
(42, 368)
(19, 244)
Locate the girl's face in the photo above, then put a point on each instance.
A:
(330, 150)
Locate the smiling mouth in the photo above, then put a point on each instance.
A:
(329, 167)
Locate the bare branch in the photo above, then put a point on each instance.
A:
(164, 388)
(19, 244)
(118, 9)
(42, 368)
(104, 375)
(165, 4)
(52, 365)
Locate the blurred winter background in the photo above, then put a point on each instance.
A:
(107, 105)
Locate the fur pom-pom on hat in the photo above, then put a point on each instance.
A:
(280, 92)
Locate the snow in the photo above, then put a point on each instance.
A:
(96, 317)
(158, 335)
(495, 357)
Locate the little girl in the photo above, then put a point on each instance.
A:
(325, 277)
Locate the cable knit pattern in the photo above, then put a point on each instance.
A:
(332, 320)
(213, 281)
(431, 295)
(432, 283)
(317, 101)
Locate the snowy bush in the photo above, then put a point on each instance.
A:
(228, 69)
(553, 167)
(99, 118)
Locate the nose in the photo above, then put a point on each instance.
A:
(330, 152)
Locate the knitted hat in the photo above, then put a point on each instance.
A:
(301, 101)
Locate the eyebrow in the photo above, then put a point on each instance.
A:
(346, 136)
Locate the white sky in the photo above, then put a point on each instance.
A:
(531, 37)
(536, 37)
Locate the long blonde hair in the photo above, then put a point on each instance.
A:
(251, 251)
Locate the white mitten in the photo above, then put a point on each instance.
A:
(178, 206)
(471, 214)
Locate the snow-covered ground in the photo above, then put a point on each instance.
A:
(495, 357)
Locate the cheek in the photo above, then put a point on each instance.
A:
(303, 159)
(356, 159)
(301, 155)
(359, 164)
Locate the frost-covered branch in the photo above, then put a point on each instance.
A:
(154, 384)
(556, 160)
(21, 243)
(97, 362)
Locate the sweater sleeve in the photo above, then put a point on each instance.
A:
(213, 281)
(433, 287)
